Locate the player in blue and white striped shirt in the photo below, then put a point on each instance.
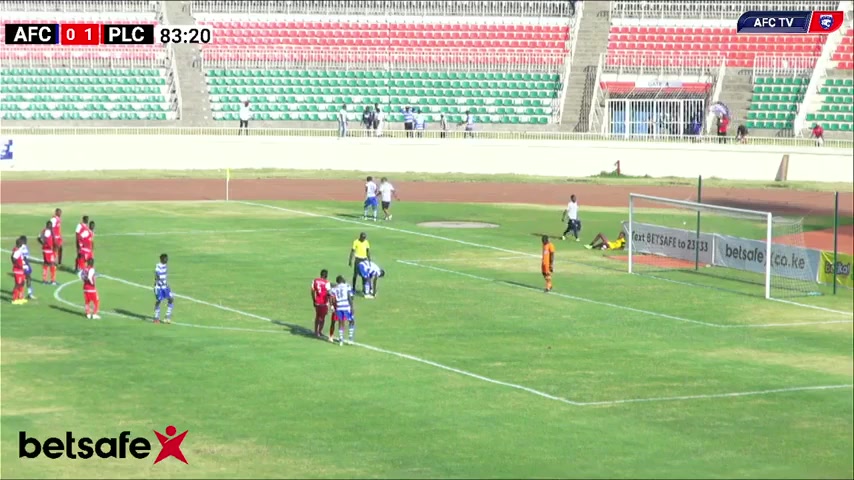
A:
(162, 291)
(28, 270)
(370, 272)
(342, 300)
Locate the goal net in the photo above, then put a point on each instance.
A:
(735, 249)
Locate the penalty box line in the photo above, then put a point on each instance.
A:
(474, 375)
(524, 255)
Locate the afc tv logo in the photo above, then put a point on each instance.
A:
(87, 448)
(826, 21)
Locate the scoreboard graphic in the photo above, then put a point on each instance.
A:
(90, 34)
(790, 22)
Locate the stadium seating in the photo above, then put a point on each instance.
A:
(317, 95)
(738, 50)
(106, 82)
(774, 104)
(836, 107)
(844, 54)
(303, 67)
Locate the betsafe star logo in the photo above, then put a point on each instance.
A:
(170, 444)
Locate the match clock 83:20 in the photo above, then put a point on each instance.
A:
(198, 34)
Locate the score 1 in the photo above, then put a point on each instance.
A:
(79, 34)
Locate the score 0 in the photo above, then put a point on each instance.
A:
(80, 34)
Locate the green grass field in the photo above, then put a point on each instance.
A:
(464, 367)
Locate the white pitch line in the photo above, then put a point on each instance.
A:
(466, 373)
(471, 244)
(58, 297)
(621, 307)
(439, 260)
(716, 395)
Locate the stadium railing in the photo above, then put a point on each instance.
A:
(332, 132)
(83, 57)
(661, 63)
(783, 66)
(566, 67)
(123, 6)
(176, 83)
(715, 96)
(596, 117)
(478, 8)
(693, 10)
(345, 58)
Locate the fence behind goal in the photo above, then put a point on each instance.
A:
(746, 251)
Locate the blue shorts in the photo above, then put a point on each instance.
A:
(371, 202)
(342, 316)
(161, 294)
(28, 269)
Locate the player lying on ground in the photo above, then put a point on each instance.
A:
(370, 273)
(46, 239)
(162, 291)
(342, 301)
(601, 242)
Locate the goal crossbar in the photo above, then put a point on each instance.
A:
(768, 217)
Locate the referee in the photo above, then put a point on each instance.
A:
(361, 251)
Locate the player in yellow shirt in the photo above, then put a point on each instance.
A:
(601, 242)
(548, 265)
(360, 252)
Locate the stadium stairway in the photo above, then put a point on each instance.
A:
(592, 41)
(194, 93)
(736, 93)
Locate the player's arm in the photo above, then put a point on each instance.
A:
(564, 215)
(40, 238)
(311, 293)
(552, 261)
(394, 194)
(352, 254)
(368, 251)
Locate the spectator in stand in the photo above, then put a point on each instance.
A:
(379, 119)
(367, 118)
(696, 127)
(444, 123)
(420, 123)
(342, 121)
(408, 120)
(469, 123)
(741, 134)
(723, 126)
(245, 115)
(818, 134)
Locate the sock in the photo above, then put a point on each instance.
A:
(549, 282)
(87, 308)
(341, 333)
(14, 293)
(366, 213)
(45, 268)
(53, 273)
(169, 308)
(575, 230)
(30, 290)
(332, 330)
(352, 330)
(320, 324)
(97, 306)
(157, 312)
(375, 214)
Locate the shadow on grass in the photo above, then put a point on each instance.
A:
(352, 216)
(67, 310)
(6, 295)
(128, 313)
(295, 329)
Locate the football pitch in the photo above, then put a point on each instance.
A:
(463, 367)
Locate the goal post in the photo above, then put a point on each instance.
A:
(731, 249)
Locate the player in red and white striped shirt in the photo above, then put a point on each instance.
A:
(18, 261)
(320, 299)
(56, 226)
(48, 254)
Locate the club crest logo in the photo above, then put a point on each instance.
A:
(826, 21)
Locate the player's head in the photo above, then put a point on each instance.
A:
(90, 262)
(324, 273)
(383, 180)
(572, 197)
(58, 212)
(85, 219)
(545, 239)
(23, 239)
(340, 279)
(363, 236)
(622, 235)
(48, 224)
(92, 225)
(18, 242)
(370, 179)
(164, 258)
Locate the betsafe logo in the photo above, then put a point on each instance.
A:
(106, 447)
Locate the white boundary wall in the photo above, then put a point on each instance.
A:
(473, 156)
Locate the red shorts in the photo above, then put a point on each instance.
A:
(90, 297)
(49, 257)
(20, 278)
(57, 241)
(334, 317)
(86, 253)
(320, 311)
